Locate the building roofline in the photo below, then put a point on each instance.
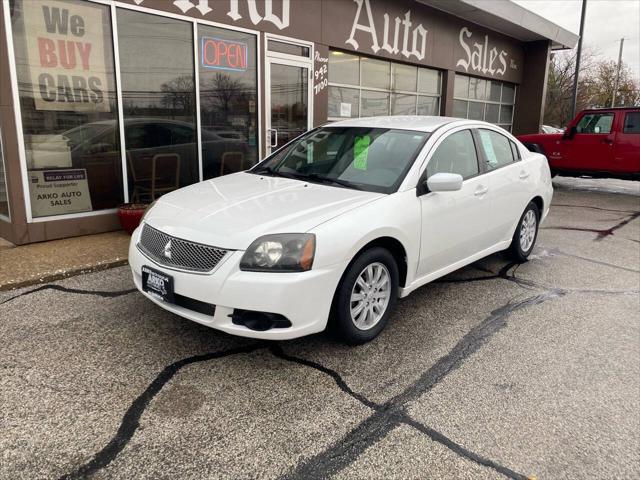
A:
(509, 18)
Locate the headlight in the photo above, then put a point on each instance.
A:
(146, 212)
(281, 252)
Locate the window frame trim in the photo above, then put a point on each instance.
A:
(3, 162)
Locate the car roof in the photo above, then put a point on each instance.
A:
(421, 123)
(606, 109)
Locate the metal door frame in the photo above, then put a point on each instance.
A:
(291, 61)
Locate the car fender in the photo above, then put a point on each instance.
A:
(397, 216)
(540, 186)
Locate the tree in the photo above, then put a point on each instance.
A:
(562, 67)
(595, 85)
(179, 94)
(603, 83)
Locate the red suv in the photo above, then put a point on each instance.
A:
(598, 143)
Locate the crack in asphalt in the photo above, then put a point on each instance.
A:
(131, 419)
(404, 418)
(462, 451)
(99, 293)
(501, 274)
(277, 351)
(392, 413)
(556, 251)
(601, 232)
(592, 208)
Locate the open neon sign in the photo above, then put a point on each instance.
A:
(221, 54)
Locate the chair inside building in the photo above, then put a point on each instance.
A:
(153, 178)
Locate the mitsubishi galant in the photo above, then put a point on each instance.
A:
(334, 227)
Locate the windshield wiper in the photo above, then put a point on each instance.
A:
(314, 177)
(275, 173)
(336, 181)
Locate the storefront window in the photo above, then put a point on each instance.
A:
(64, 61)
(429, 81)
(387, 88)
(480, 99)
(4, 197)
(345, 68)
(158, 97)
(228, 100)
(404, 77)
(374, 103)
(344, 102)
(375, 73)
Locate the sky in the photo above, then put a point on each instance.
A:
(606, 22)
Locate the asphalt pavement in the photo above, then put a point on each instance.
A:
(495, 371)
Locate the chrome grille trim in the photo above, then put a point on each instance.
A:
(185, 255)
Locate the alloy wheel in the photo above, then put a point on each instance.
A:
(528, 230)
(370, 296)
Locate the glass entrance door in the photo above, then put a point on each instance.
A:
(288, 112)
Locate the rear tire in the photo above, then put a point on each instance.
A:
(526, 234)
(366, 297)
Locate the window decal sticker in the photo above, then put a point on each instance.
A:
(492, 160)
(360, 152)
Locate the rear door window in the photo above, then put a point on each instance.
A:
(631, 123)
(496, 148)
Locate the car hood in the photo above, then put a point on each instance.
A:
(232, 211)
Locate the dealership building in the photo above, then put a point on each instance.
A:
(106, 102)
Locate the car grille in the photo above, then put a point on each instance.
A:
(178, 253)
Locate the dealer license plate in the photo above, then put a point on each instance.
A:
(157, 284)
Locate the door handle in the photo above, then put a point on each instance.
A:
(608, 141)
(524, 175)
(273, 137)
(480, 191)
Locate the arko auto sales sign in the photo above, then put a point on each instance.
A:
(56, 192)
(66, 53)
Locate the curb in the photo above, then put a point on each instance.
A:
(65, 274)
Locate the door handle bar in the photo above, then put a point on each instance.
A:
(273, 137)
(481, 191)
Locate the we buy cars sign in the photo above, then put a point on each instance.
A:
(65, 45)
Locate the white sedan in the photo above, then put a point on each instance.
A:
(338, 224)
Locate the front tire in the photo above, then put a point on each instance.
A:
(366, 296)
(524, 238)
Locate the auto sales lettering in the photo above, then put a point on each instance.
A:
(66, 56)
(482, 57)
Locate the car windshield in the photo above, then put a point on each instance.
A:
(372, 159)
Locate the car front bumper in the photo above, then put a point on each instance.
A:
(303, 298)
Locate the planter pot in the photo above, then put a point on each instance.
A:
(130, 215)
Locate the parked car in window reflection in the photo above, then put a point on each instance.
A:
(161, 154)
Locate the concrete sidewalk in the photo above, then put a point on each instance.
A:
(25, 265)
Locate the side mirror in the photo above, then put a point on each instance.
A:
(570, 133)
(444, 182)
